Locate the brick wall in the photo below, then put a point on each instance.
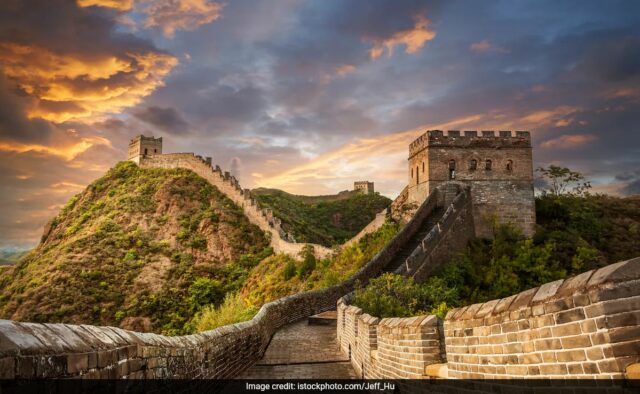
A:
(62, 350)
(395, 348)
(585, 326)
(230, 186)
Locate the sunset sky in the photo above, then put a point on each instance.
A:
(306, 96)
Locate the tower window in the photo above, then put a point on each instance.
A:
(473, 165)
(452, 169)
(412, 173)
(487, 165)
(509, 165)
(145, 151)
(423, 167)
(155, 151)
(417, 175)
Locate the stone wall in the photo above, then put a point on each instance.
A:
(230, 186)
(62, 350)
(394, 348)
(373, 226)
(448, 236)
(587, 326)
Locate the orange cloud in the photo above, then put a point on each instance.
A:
(568, 141)
(67, 152)
(552, 116)
(172, 15)
(412, 39)
(338, 72)
(120, 5)
(69, 86)
(485, 46)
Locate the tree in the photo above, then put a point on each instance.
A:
(561, 180)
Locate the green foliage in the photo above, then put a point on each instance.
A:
(233, 310)
(289, 270)
(204, 291)
(390, 295)
(308, 262)
(561, 181)
(325, 220)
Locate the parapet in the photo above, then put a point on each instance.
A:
(471, 138)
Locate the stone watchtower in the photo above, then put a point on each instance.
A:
(365, 187)
(142, 146)
(499, 169)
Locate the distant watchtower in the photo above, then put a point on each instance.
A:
(142, 146)
(499, 169)
(365, 187)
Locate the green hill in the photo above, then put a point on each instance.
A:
(143, 249)
(325, 220)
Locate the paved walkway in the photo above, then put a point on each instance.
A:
(302, 351)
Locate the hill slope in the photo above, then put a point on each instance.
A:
(325, 220)
(139, 248)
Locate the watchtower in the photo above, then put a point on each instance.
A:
(365, 187)
(499, 169)
(142, 146)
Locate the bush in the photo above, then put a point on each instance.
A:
(309, 262)
(289, 270)
(390, 295)
(233, 310)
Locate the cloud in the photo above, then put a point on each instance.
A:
(569, 141)
(120, 5)
(67, 152)
(413, 39)
(167, 119)
(80, 70)
(485, 46)
(172, 15)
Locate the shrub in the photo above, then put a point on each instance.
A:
(289, 270)
(233, 310)
(308, 262)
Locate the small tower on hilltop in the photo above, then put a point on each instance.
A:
(142, 146)
(497, 167)
(364, 187)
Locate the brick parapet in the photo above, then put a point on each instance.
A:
(586, 326)
(390, 348)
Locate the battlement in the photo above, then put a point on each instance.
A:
(470, 139)
(363, 187)
(141, 146)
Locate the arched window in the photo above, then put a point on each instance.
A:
(487, 165)
(473, 165)
(452, 169)
(423, 167)
(411, 173)
(509, 165)
(145, 151)
(155, 151)
(417, 175)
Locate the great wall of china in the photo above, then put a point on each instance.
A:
(586, 326)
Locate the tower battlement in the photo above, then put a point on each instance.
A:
(471, 139)
(141, 146)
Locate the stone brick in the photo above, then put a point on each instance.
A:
(571, 356)
(623, 319)
(595, 353)
(547, 344)
(553, 369)
(569, 316)
(577, 341)
(77, 362)
(567, 330)
(7, 368)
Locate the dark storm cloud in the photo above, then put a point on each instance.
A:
(167, 119)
